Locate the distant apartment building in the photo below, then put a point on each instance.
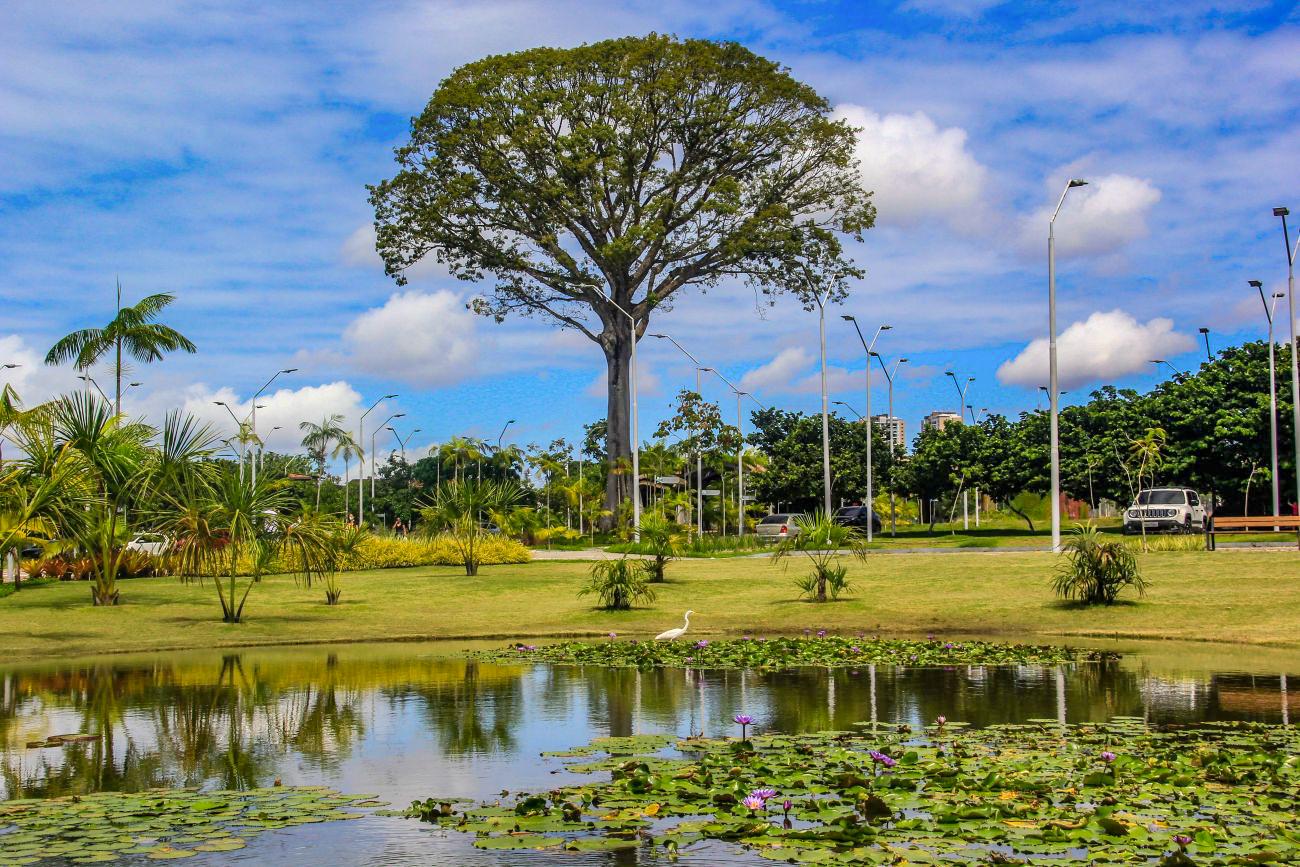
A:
(939, 419)
(893, 428)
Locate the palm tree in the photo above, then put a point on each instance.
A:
(456, 515)
(457, 449)
(317, 440)
(132, 331)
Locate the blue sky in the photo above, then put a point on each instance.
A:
(220, 151)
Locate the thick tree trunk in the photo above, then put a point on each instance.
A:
(618, 418)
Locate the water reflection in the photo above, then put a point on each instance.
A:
(405, 721)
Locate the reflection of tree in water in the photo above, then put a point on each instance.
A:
(227, 730)
(473, 708)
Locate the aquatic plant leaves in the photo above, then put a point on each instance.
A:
(790, 652)
(159, 824)
(1118, 792)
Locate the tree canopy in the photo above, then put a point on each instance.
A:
(592, 185)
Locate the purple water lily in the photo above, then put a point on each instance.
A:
(613, 635)
(1107, 756)
(1182, 840)
(744, 721)
(754, 803)
(702, 643)
(821, 633)
(882, 759)
(765, 794)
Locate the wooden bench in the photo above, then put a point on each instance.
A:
(1266, 523)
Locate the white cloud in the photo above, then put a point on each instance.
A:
(916, 169)
(427, 339)
(1103, 347)
(284, 408)
(1102, 217)
(795, 370)
(32, 379)
(970, 9)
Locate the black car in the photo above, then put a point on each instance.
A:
(856, 516)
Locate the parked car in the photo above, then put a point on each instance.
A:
(778, 526)
(856, 516)
(154, 544)
(1175, 510)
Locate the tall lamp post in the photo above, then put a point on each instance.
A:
(383, 424)
(502, 435)
(1269, 312)
(402, 442)
(636, 430)
(1159, 361)
(961, 392)
(361, 439)
(826, 416)
(699, 456)
(1295, 347)
(258, 394)
(870, 350)
(889, 377)
(1054, 381)
(740, 452)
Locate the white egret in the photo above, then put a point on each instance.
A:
(673, 634)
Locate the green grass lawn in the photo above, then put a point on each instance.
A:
(1239, 596)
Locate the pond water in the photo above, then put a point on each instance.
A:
(406, 721)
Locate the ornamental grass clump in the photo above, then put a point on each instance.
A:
(822, 539)
(1096, 570)
(618, 584)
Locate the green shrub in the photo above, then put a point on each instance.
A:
(821, 539)
(661, 539)
(1095, 569)
(396, 552)
(618, 584)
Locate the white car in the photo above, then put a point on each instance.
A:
(778, 526)
(154, 544)
(1177, 510)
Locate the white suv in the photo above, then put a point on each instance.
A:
(1179, 510)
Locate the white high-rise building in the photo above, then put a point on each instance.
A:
(940, 419)
(893, 428)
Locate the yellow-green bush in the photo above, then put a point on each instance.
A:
(387, 552)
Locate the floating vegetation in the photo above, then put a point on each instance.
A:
(61, 740)
(161, 823)
(1037, 793)
(787, 652)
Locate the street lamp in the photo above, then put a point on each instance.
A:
(636, 429)
(402, 442)
(870, 350)
(740, 450)
(238, 428)
(849, 408)
(89, 380)
(699, 455)
(1159, 361)
(383, 424)
(1295, 347)
(361, 438)
(258, 394)
(889, 377)
(961, 392)
(9, 366)
(1269, 311)
(1054, 383)
(826, 415)
(1205, 332)
(501, 435)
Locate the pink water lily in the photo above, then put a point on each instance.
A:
(754, 803)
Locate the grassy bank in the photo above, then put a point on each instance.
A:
(1239, 596)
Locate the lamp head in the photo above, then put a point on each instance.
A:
(875, 354)
(886, 327)
(1279, 294)
(389, 396)
(11, 366)
(399, 415)
(1203, 330)
(950, 373)
(219, 402)
(902, 361)
(1281, 212)
(1157, 361)
(1078, 182)
(847, 318)
(1255, 284)
(290, 370)
(660, 336)
(135, 384)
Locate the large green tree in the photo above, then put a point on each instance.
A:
(594, 185)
